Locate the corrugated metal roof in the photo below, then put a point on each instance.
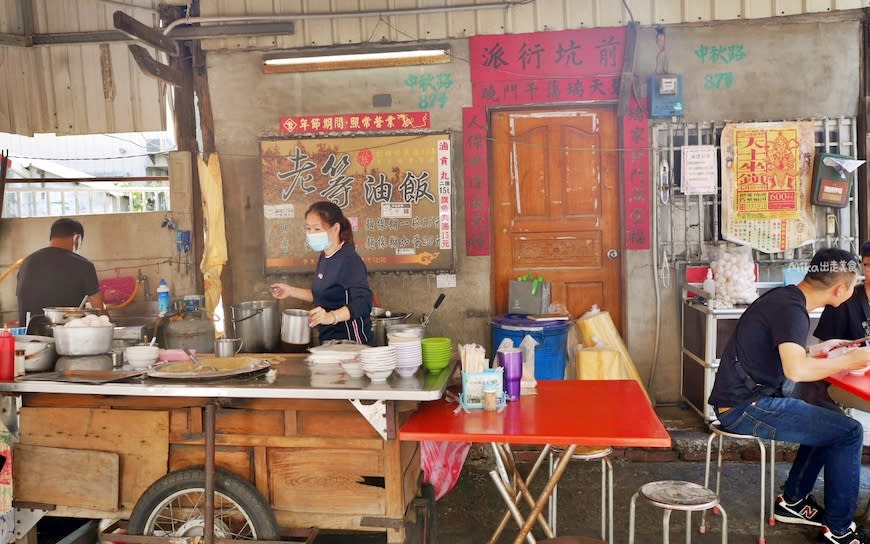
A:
(93, 88)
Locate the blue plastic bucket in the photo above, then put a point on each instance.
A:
(551, 353)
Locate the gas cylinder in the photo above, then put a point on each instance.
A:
(191, 331)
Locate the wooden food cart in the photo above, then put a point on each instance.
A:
(319, 448)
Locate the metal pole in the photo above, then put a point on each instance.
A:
(210, 409)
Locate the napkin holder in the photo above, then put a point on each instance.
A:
(473, 384)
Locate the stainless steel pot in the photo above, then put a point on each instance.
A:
(59, 315)
(83, 340)
(381, 322)
(256, 323)
(294, 327)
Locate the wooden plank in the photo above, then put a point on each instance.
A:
(335, 424)
(395, 486)
(179, 421)
(121, 431)
(230, 421)
(100, 401)
(261, 471)
(140, 31)
(237, 460)
(90, 479)
(291, 426)
(140, 437)
(326, 480)
(155, 69)
(375, 444)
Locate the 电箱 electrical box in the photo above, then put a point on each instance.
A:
(666, 95)
(832, 179)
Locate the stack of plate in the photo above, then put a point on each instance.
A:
(334, 353)
(409, 357)
(378, 363)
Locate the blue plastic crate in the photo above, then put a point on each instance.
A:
(551, 353)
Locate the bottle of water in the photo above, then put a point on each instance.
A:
(164, 299)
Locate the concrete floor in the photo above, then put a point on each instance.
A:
(469, 513)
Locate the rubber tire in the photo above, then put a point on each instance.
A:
(245, 495)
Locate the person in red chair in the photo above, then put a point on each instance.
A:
(767, 347)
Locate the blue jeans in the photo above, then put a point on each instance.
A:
(828, 438)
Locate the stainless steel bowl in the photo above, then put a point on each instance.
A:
(82, 340)
(39, 352)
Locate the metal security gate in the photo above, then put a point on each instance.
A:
(686, 225)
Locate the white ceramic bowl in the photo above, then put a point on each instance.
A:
(407, 371)
(353, 368)
(378, 376)
(141, 356)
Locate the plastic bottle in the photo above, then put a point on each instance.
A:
(710, 284)
(164, 299)
(7, 356)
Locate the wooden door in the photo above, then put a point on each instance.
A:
(555, 206)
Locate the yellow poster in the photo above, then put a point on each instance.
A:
(768, 166)
(766, 171)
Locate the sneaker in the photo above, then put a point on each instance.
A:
(805, 511)
(853, 536)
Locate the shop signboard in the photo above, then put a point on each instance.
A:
(396, 191)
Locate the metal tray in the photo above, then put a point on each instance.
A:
(84, 376)
(226, 367)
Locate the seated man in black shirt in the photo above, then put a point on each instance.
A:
(768, 346)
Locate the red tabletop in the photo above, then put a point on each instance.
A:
(582, 412)
(857, 385)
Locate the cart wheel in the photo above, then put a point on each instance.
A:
(174, 504)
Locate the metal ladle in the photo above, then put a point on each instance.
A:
(199, 367)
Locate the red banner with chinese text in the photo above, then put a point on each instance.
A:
(476, 175)
(635, 157)
(354, 122)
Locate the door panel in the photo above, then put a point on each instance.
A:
(556, 206)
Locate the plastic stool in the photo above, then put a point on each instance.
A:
(677, 495)
(716, 430)
(588, 453)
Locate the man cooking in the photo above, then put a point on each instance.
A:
(57, 275)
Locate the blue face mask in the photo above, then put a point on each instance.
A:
(317, 241)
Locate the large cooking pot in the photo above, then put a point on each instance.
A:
(383, 319)
(59, 315)
(294, 327)
(257, 324)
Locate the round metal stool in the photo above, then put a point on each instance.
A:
(717, 431)
(571, 540)
(588, 453)
(677, 495)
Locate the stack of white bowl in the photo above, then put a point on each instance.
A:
(378, 363)
(409, 357)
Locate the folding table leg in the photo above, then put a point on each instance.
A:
(545, 494)
(519, 488)
(512, 507)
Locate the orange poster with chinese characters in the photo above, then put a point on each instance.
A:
(766, 184)
(767, 163)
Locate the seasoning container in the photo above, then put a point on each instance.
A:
(490, 396)
(19, 362)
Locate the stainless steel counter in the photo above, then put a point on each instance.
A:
(293, 379)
